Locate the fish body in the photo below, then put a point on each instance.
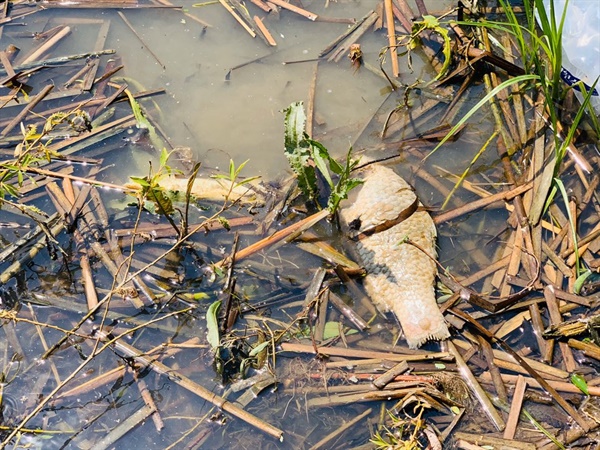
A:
(400, 277)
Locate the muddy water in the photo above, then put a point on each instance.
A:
(239, 118)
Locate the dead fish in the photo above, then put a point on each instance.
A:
(400, 277)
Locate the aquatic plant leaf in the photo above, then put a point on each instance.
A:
(332, 330)
(580, 382)
(345, 184)
(212, 325)
(572, 224)
(297, 149)
(142, 181)
(143, 122)
(580, 281)
(480, 103)
(432, 23)
(259, 348)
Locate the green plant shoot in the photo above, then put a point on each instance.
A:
(301, 151)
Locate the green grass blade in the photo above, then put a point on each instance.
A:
(479, 105)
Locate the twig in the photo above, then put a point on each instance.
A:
(128, 23)
(555, 319)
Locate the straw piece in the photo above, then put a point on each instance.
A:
(302, 12)
(263, 29)
(392, 38)
(47, 46)
(515, 408)
(366, 354)
(32, 104)
(555, 319)
(481, 439)
(476, 388)
(235, 15)
(588, 349)
(390, 375)
(562, 386)
(338, 432)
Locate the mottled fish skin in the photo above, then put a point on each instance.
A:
(400, 277)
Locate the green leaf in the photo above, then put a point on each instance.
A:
(259, 348)
(141, 181)
(297, 149)
(479, 104)
(212, 325)
(164, 157)
(580, 281)
(580, 382)
(332, 330)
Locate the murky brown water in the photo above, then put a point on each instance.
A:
(221, 115)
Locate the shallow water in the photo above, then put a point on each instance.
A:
(221, 115)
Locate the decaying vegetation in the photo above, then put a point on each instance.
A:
(117, 319)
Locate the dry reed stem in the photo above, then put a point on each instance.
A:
(515, 408)
(488, 354)
(103, 379)
(381, 381)
(482, 203)
(404, 14)
(27, 109)
(148, 400)
(124, 427)
(588, 349)
(392, 45)
(538, 326)
(304, 13)
(562, 386)
(323, 443)
(555, 319)
(191, 386)
(344, 35)
(347, 312)
(46, 46)
(494, 442)
(365, 354)
(262, 5)
(296, 228)
(342, 49)
(310, 104)
(264, 30)
(488, 408)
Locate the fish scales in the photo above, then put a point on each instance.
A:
(400, 277)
